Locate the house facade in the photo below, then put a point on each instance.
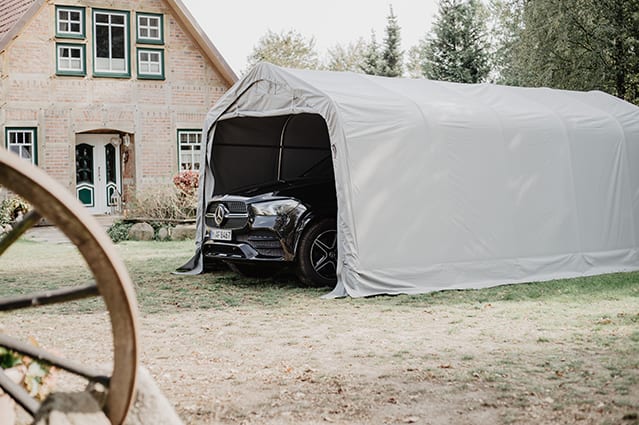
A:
(107, 96)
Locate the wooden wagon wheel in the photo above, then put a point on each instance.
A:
(112, 283)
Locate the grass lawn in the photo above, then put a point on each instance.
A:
(564, 351)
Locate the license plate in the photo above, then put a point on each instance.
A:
(221, 234)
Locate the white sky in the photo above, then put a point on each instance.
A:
(235, 26)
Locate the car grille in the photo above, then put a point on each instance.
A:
(264, 242)
(237, 216)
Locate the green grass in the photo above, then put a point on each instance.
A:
(33, 266)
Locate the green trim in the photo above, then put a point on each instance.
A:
(34, 143)
(148, 76)
(83, 23)
(146, 40)
(68, 72)
(179, 146)
(127, 42)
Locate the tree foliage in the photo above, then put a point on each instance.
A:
(372, 64)
(391, 63)
(581, 44)
(288, 49)
(456, 49)
(347, 58)
(387, 59)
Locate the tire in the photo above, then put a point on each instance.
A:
(253, 271)
(317, 254)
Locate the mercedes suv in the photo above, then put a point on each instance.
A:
(259, 229)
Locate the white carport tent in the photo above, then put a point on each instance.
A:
(444, 185)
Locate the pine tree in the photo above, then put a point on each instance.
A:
(391, 63)
(457, 49)
(372, 58)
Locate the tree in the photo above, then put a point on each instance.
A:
(372, 58)
(288, 48)
(457, 49)
(391, 63)
(349, 58)
(582, 45)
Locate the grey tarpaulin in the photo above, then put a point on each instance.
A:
(444, 185)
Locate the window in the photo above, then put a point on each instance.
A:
(149, 29)
(189, 149)
(70, 59)
(151, 64)
(22, 142)
(69, 22)
(111, 43)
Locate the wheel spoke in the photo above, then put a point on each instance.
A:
(19, 394)
(49, 297)
(28, 221)
(44, 356)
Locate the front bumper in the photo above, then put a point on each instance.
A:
(253, 238)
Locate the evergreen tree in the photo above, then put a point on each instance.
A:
(391, 61)
(457, 49)
(372, 64)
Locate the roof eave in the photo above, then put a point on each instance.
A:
(203, 41)
(19, 24)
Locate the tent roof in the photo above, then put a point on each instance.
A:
(445, 185)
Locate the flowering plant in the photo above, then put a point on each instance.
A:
(187, 182)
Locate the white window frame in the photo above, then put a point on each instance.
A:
(191, 144)
(69, 21)
(15, 142)
(68, 70)
(111, 70)
(154, 22)
(145, 66)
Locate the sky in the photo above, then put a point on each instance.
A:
(235, 26)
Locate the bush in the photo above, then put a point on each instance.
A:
(12, 209)
(119, 231)
(162, 203)
(187, 182)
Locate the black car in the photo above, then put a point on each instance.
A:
(259, 229)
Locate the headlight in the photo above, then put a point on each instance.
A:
(277, 207)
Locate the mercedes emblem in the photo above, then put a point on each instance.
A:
(220, 214)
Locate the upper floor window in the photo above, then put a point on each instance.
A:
(149, 28)
(151, 64)
(22, 141)
(70, 59)
(69, 22)
(111, 43)
(189, 149)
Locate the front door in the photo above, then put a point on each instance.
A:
(97, 171)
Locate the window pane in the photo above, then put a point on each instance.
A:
(101, 17)
(117, 19)
(75, 27)
(144, 56)
(26, 152)
(144, 21)
(15, 149)
(154, 33)
(117, 45)
(63, 27)
(63, 15)
(102, 41)
(144, 33)
(75, 53)
(74, 16)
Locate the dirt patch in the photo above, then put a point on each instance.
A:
(323, 362)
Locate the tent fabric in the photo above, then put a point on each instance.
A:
(450, 186)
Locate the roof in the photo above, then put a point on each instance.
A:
(14, 14)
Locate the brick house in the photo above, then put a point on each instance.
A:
(107, 96)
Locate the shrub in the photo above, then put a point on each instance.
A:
(162, 203)
(12, 209)
(119, 231)
(187, 182)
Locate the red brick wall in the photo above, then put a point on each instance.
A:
(61, 106)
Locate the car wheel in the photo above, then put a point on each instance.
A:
(317, 254)
(253, 271)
